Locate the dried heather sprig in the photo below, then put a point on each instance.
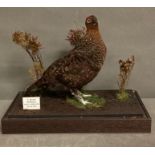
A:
(32, 47)
(125, 70)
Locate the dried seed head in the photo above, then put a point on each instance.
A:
(27, 41)
(34, 44)
(20, 38)
(126, 65)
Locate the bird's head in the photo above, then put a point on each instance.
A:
(91, 22)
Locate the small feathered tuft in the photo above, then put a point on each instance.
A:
(75, 37)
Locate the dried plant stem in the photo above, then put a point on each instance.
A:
(123, 82)
(30, 54)
(125, 71)
(36, 59)
(40, 60)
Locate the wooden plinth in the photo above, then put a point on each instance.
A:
(57, 116)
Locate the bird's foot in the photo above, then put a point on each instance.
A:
(80, 97)
(83, 94)
(84, 102)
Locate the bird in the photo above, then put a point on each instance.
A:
(80, 65)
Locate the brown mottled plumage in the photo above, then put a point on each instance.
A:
(81, 64)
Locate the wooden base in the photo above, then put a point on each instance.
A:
(57, 116)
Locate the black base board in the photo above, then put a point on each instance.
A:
(57, 116)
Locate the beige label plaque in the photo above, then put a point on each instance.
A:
(31, 103)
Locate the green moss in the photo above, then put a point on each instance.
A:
(96, 102)
(122, 96)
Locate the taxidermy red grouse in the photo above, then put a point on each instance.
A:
(80, 66)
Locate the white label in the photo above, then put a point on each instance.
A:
(31, 103)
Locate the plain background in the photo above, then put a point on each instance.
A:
(126, 32)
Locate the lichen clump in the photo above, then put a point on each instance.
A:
(95, 102)
(123, 77)
(32, 47)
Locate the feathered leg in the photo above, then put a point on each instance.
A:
(84, 95)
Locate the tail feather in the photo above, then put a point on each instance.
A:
(36, 86)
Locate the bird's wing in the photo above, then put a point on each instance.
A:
(74, 70)
(73, 62)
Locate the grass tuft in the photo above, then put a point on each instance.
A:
(96, 102)
(123, 96)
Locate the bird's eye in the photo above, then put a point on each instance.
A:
(89, 21)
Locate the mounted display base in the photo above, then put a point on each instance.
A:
(58, 116)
